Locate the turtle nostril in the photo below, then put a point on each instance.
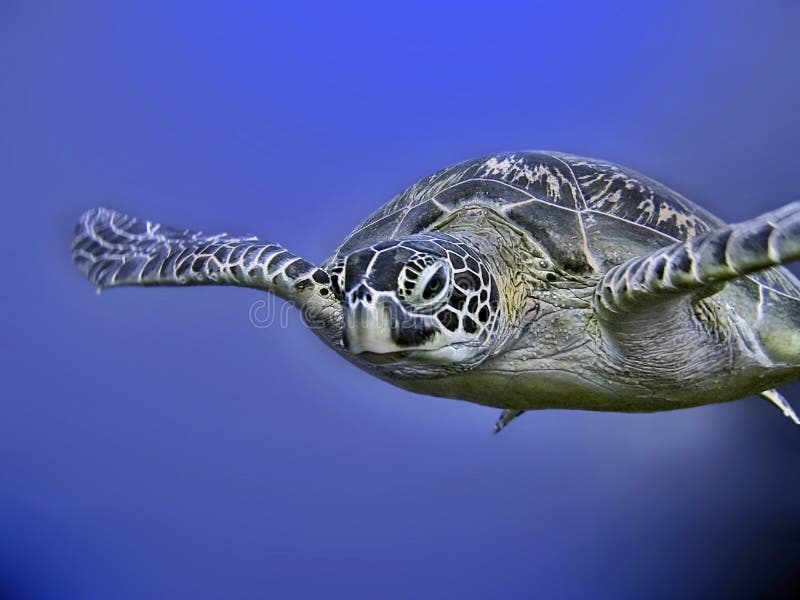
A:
(362, 293)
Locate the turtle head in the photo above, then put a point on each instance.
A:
(425, 298)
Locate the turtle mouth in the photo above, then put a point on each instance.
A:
(380, 326)
(385, 358)
(400, 356)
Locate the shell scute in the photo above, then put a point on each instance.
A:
(588, 214)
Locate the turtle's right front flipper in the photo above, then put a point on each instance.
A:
(112, 249)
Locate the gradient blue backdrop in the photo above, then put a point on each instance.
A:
(155, 444)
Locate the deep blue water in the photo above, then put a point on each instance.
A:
(155, 444)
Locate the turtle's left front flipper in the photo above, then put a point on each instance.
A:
(112, 249)
(700, 264)
(647, 299)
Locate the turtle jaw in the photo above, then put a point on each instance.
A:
(367, 329)
(382, 326)
(449, 355)
(386, 335)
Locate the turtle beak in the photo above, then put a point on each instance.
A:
(378, 324)
(368, 324)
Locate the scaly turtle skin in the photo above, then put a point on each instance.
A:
(520, 281)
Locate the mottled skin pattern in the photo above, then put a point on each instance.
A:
(398, 269)
(112, 249)
(521, 281)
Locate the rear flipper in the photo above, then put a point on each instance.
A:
(505, 418)
(783, 405)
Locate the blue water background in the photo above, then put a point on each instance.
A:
(155, 444)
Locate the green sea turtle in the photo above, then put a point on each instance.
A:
(520, 281)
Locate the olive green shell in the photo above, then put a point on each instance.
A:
(588, 214)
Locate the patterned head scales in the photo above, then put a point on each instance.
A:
(428, 295)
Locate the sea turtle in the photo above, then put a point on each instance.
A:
(521, 281)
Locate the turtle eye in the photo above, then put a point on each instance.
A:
(424, 285)
(435, 284)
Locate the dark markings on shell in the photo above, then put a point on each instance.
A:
(419, 218)
(588, 214)
(482, 191)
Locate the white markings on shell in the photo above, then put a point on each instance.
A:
(518, 170)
